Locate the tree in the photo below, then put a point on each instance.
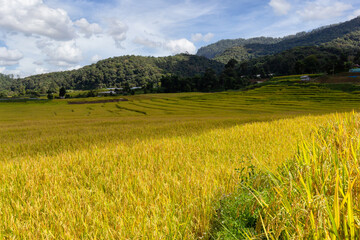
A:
(127, 88)
(209, 81)
(229, 76)
(62, 92)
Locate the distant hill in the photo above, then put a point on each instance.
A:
(5, 84)
(217, 48)
(349, 42)
(242, 49)
(114, 72)
(299, 60)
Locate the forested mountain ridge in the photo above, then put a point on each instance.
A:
(300, 60)
(223, 52)
(219, 47)
(114, 72)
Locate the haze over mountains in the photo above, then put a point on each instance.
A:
(322, 50)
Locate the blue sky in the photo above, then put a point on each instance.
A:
(39, 36)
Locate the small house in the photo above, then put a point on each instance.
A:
(305, 78)
(355, 70)
(135, 88)
(107, 93)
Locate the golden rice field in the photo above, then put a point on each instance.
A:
(154, 167)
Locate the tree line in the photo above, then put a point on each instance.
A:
(228, 79)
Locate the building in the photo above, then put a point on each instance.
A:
(355, 70)
(305, 78)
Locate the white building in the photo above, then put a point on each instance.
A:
(305, 78)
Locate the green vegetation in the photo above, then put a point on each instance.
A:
(209, 81)
(298, 60)
(5, 85)
(115, 72)
(313, 195)
(217, 48)
(338, 35)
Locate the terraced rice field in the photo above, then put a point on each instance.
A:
(153, 167)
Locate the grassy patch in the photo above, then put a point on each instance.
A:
(315, 195)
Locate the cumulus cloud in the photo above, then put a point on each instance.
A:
(118, 32)
(34, 17)
(197, 37)
(180, 46)
(61, 54)
(174, 46)
(9, 57)
(280, 7)
(323, 9)
(88, 29)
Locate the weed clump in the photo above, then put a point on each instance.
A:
(315, 195)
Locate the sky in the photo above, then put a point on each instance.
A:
(40, 36)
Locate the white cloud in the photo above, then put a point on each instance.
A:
(147, 42)
(95, 58)
(323, 9)
(208, 37)
(9, 57)
(61, 54)
(74, 68)
(174, 46)
(180, 46)
(40, 70)
(34, 17)
(355, 14)
(38, 62)
(280, 7)
(118, 32)
(197, 37)
(88, 29)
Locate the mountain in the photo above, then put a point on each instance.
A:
(300, 60)
(217, 48)
(349, 42)
(242, 49)
(114, 72)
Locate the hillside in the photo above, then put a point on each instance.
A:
(223, 51)
(5, 84)
(217, 48)
(114, 72)
(299, 60)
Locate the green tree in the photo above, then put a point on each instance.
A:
(229, 76)
(62, 92)
(311, 64)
